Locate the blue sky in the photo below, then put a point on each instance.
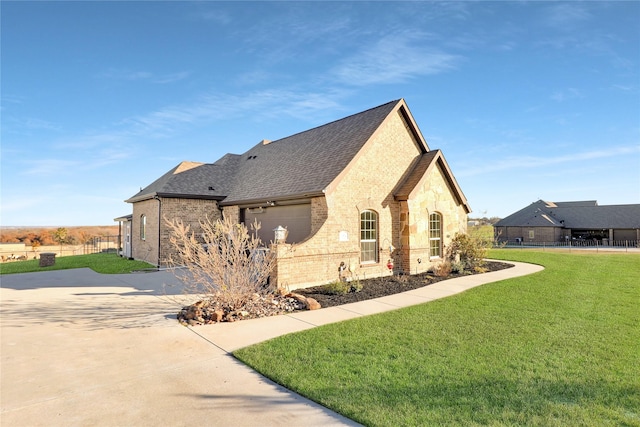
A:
(527, 100)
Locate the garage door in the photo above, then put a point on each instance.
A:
(295, 218)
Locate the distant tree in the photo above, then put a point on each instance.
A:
(61, 235)
(46, 238)
(83, 236)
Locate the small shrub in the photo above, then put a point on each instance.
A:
(337, 287)
(340, 287)
(356, 286)
(457, 267)
(468, 250)
(401, 278)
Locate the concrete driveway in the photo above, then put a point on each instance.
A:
(84, 349)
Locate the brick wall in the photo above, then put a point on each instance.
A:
(145, 249)
(190, 211)
(232, 212)
(540, 234)
(367, 184)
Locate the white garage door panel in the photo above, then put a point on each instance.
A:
(295, 218)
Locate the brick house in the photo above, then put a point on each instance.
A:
(352, 194)
(581, 221)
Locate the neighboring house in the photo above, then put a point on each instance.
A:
(571, 221)
(357, 192)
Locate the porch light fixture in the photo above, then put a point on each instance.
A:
(280, 234)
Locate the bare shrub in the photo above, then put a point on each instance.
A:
(442, 269)
(225, 261)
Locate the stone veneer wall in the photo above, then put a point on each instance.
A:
(432, 195)
(367, 184)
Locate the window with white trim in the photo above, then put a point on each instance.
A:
(435, 235)
(368, 237)
(143, 227)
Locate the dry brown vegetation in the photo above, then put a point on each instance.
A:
(225, 261)
(44, 236)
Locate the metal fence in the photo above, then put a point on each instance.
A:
(102, 244)
(596, 245)
(97, 244)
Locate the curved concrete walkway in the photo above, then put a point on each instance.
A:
(83, 349)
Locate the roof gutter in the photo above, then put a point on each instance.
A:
(263, 200)
(174, 196)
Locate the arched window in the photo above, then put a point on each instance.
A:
(368, 237)
(435, 235)
(143, 227)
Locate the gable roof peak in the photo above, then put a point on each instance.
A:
(185, 166)
(305, 163)
(337, 122)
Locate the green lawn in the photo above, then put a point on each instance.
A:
(106, 263)
(560, 347)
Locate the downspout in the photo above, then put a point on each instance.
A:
(159, 224)
(119, 252)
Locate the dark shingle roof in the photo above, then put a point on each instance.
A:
(576, 215)
(191, 179)
(307, 162)
(596, 217)
(300, 165)
(416, 173)
(423, 163)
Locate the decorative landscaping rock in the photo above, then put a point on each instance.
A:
(208, 311)
(313, 304)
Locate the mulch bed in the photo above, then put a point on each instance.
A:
(388, 285)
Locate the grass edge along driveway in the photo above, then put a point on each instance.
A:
(559, 347)
(103, 263)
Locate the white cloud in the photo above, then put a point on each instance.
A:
(217, 16)
(50, 167)
(393, 59)
(212, 107)
(78, 160)
(567, 94)
(530, 162)
(566, 15)
(19, 203)
(129, 75)
(170, 78)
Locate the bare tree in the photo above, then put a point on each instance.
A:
(225, 261)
